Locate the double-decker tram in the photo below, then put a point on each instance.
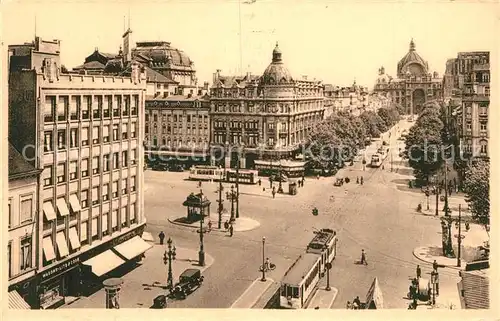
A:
(300, 281)
(206, 173)
(324, 244)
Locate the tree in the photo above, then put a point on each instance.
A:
(477, 190)
(423, 147)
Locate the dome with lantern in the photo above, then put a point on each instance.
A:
(276, 72)
(412, 63)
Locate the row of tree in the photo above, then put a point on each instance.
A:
(340, 136)
(430, 143)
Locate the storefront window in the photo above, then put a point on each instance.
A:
(25, 254)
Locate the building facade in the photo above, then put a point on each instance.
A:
(83, 131)
(353, 99)
(23, 230)
(177, 128)
(270, 116)
(414, 84)
(470, 75)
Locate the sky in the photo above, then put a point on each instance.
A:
(333, 41)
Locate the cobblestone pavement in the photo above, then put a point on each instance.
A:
(375, 216)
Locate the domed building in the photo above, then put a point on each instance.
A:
(414, 84)
(270, 115)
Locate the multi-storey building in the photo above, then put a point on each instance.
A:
(23, 230)
(178, 127)
(352, 99)
(84, 133)
(271, 115)
(414, 84)
(470, 74)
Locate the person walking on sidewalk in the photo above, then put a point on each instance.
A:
(363, 257)
(231, 230)
(209, 226)
(419, 272)
(274, 192)
(435, 265)
(161, 236)
(226, 225)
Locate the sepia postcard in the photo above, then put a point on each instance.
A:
(249, 154)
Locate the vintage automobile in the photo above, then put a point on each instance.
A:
(189, 280)
(339, 182)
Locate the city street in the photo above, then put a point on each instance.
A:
(376, 217)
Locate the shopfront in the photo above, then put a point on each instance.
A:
(80, 274)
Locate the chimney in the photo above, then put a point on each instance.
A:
(249, 74)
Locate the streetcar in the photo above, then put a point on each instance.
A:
(206, 173)
(376, 160)
(245, 176)
(299, 283)
(324, 244)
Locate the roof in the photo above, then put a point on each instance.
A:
(321, 239)
(18, 166)
(161, 53)
(374, 295)
(412, 57)
(154, 76)
(90, 65)
(190, 272)
(475, 290)
(300, 268)
(194, 200)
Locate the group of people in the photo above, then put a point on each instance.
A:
(415, 290)
(355, 305)
(359, 180)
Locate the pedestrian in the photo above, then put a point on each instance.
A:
(260, 182)
(435, 265)
(274, 192)
(303, 181)
(357, 179)
(357, 303)
(209, 225)
(349, 305)
(199, 184)
(419, 272)
(161, 236)
(231, 230)
(226, 225)
(361, 180)
(363, 257)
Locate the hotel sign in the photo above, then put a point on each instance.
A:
(60, 268)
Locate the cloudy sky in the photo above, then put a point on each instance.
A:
(336, 41)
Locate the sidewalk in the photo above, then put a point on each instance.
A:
(252, 294)
(146, 281)
(323, 299)
(241, 224)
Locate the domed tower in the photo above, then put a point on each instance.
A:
(412, 63)
(276, 73)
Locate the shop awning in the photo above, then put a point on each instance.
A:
(17, 302)
(74, 240)
(133, 247)
(146, 236)
(62, 246)
(62, 207)
(75, 203)
(104, 262)
(48, 209)
(48, 249)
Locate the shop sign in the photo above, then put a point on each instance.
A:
(60, 268)
(125, 237)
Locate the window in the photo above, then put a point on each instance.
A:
(62, 108)
(105, 163)
(85, 167)
(61, 173)
(115, 189)
(115, 132)
(95, 195)
(105, 133)
(133, 219)
(95, 165)
(47, 176)
(48, 145)
(155, 117)
(105, 192)
(114, 220)
(124, 186)
(132, 184)
(25, 261)
(73, 170)
(133, 133)
(147, 116)
(484, 147)
(96, 108)
(95, 135)
(133, 157)
(73, 137)
(270, 126)
(116, 160)
(124, 131)
(118, 107)
(109, 106)
(146, 129)
(135, 105)
(85, 136)
(61, 139)
(86, 107)
(127, 105)
(74, 107)
(10, 214)
(9, 258)
(484, 127)
(26, 210)
(104, 224)
(123, 218)
(49, 108)
(85, 198)
(125, 158)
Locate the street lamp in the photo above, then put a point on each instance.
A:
(201, 253)
(263, 260)
(280, 187)
(167, 259)
(328, 266)
(434, 276)
(220, 201)
(238, 181)
(230, 197)
(427, 195)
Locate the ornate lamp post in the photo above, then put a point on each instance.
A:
(263, 279)
(167, 259)
(280, 187)
(231, 196)
(328, 266)
(201, 253)
(434, 276)
(238, 181)
(220, 201)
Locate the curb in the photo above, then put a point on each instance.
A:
(214, 229)
(442, 265)
(248, 290)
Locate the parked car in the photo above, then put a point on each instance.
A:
(160, 167)
(278, 178)
(189, 280)
(176, 168)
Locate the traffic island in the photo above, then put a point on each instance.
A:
(252, 294)
(241, 224)
(430, 253)
(323, 299)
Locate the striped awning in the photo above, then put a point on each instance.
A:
(17, 302)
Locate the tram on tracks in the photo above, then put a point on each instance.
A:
(324, 244)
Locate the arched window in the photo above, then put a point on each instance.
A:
(484, 147)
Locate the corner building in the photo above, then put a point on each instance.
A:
(271, 116)
(83, 132)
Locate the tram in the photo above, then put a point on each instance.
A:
(376, 160)
(324, 244)
(300, 281)
(245, 176)
(206, 173)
